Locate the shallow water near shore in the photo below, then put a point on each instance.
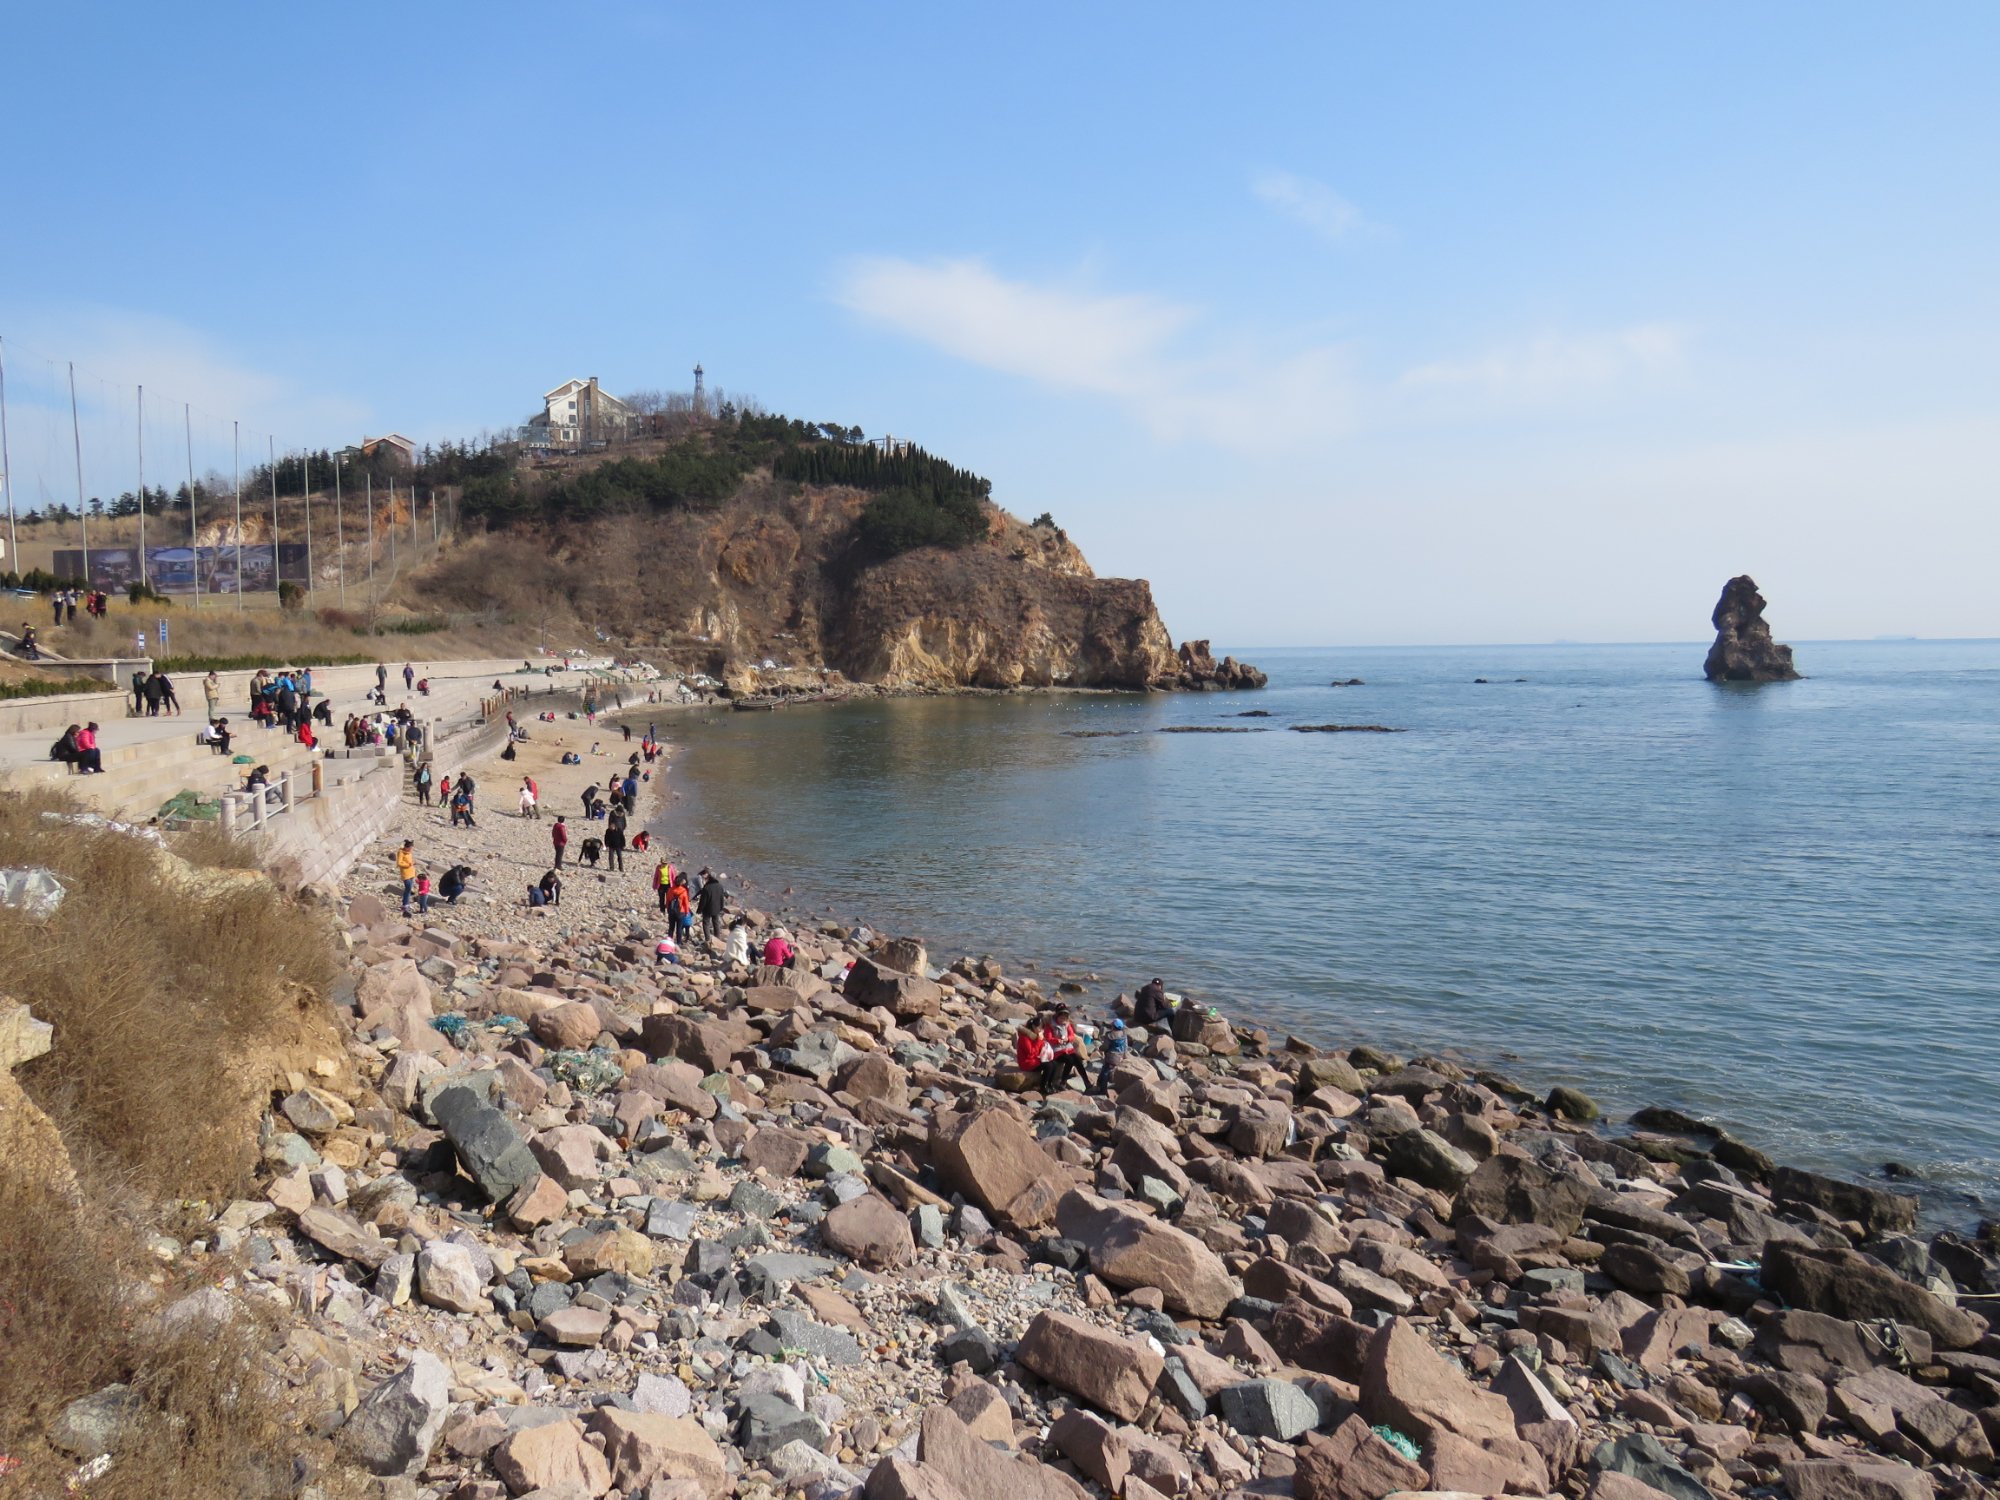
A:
(1777, 907)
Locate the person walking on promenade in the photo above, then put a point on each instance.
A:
(406, 871)
(138, 691)
(409, 677)
(710, 900)
(168, 696)
(211, 692)
(559, 837)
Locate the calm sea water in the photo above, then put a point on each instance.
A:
(1777, 907)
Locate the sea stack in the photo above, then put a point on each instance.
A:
(1743, 649)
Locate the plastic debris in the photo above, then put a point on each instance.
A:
(189, 807)
(452, 1025)
(589, 1072)
(1397, 1441)
(31, 889)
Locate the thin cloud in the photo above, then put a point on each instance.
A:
(1313, 204)
(1553, 366)
(1157, 359)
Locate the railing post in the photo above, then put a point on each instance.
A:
(226, 813)
(287, 795)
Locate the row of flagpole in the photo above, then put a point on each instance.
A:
(236, 489)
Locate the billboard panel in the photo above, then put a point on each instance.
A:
(172, 570)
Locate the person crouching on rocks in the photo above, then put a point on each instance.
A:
(1149, 1007)
(666, 951)
(1117, 1047)
(547, 891)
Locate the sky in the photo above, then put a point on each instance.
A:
(1342, 323)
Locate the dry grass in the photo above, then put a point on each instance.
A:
(156, 997)
(77, 1314)
(261, 629)
(170, 992)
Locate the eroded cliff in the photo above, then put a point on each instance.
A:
(773, 575)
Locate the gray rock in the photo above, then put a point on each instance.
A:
(662, 1395)
(97, 1424)
(832, 1161)
(755, 1200)
(973, 1346)
(1426, 1157)
(1178, 1390)
(1269, 1409)
(1641, 1456)
(667, 1219)
(767, 1422)
(794, 1330)
(783, 1267)
(927, 1226)
(489, 1147)
(397, 1424)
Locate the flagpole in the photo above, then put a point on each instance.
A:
(305, 484)
(145, 579)
(371, 541)
(339, 532)
(76, 436)
(236, 485)
(194, 531)
(7, 468)
(277, 577)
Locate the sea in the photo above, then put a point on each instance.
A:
(1775, 906)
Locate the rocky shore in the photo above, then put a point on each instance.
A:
(584, 1225)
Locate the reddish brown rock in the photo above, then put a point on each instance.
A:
(643, 1447)
(907, 997)
(574, 1026)
(873, 1076)
(979, 1471)
(556, 1453)
(1128, 1248)
(906, 1479)
(872, 1231)
(1353, 1464)
(705, 1044)
(1414, 1389)
(991, 1158)
(1112, 1373)
(1856, 1479)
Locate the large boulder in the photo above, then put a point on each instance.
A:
(1516, 1190)
(553, 1455)
(1877, 1210)
(990, 1157)
(872, 1231)
(1353, 1464)
(489, 1148)
(1426, 1157)
(1129, 1248)
(1414, 1389)
(1847, 1284)
(397, 1424)
(1856, 1479)
(644, 1447)
(908, 997)
(707, 1044)
(1114, 1374)
(976, 1470)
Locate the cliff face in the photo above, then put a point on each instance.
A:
(1744, 650)
(771, 576)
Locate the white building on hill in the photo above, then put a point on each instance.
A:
(578, 413)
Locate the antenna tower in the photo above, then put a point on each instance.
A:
(700, 400)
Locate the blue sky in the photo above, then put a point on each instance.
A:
(1341, 323)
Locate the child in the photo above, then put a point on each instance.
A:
(666, 951)
(1117, 1046)
(423, 894)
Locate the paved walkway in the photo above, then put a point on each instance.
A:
(452, 697)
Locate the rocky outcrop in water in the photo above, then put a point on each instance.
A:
(1743, 649)
(1200, 672)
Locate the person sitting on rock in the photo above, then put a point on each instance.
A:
(1066, 1050)
(1032, 1050)
(778, 952)
(1149, 1007)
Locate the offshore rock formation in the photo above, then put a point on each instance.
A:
(1743, 649)
(1200, 672)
